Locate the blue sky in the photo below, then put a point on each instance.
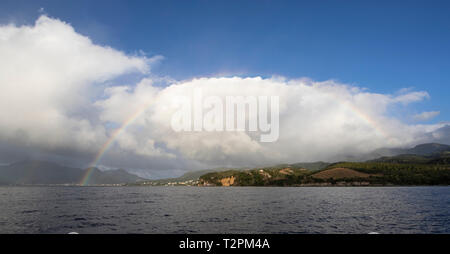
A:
(384, 46)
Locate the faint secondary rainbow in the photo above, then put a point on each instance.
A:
(107, 145)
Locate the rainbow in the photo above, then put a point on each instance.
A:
(107, 145)
(378, 128)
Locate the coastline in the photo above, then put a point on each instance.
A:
(237, 186)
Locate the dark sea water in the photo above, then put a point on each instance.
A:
(224, 210)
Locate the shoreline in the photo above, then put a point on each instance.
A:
(268, 186)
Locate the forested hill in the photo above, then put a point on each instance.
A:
(396, 170)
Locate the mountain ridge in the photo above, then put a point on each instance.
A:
(37, 172)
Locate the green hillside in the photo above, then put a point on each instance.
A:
(192, 177)
(396, 170)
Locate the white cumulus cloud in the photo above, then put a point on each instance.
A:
(47, 78)
(318, 120)
(59, 95)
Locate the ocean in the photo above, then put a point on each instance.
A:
(291, 210)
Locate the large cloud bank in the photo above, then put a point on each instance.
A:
(61, 97)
